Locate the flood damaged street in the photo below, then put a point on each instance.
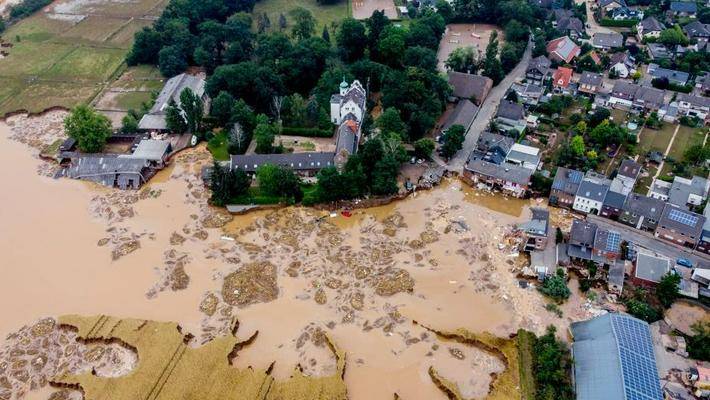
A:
(372, 283)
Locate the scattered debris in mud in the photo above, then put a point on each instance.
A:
(173, 275)
(252, 283)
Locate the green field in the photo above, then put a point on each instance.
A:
(67, 59)
(656, 140)
(325, 14)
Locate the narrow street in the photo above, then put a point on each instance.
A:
(487, 111)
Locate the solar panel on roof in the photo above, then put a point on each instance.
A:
(683, 217)
(613, 241)
(637, 359)
(575, 176)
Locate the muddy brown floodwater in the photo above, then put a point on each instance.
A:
(67, 247)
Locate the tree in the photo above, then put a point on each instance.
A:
(264, 134)
(559, 236)
(376, 24)
(699, 342)
(556, 287)
(174, 119)
(697, 154)
(463, 59)
(89, 128)
(445, 9)
(350, 39)
(384, 176)
(304, 25)
(172, 61)
(599, 115)
(222, 106)
(552, 363)
(667, 289)
(283, 24)
(263, 23)
(577, 145)
(390, 121)
(226, 184)
(333, 186)
(420, 57)
(326, 35)
(129, 124)
(279, 181)
(147, 44)
(491, 65)
(424, 147)
(193, 108)
(391, 46)
(642, 310)
(673, 36)
(512, 96)
(453, 140)
(541, 184)
(509, 57)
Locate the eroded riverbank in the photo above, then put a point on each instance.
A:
(163, 254)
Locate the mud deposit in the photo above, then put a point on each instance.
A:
(295, 275)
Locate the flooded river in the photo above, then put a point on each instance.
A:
(67, 247)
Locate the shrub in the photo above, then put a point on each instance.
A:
(307, 132)
(619, 24)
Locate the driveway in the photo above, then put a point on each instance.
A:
(487, 111)
(594, 27)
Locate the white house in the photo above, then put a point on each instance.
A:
(591, 193)
(623, 64)
(350, 100)
(694, 106)
(524, 156)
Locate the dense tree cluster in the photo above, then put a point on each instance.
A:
(555, 286)
(25, 8)
(699, 342)
(552, 365)
(226, 184)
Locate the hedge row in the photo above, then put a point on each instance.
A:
(308, 132)
(622, 24)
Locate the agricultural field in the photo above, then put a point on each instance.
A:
(326, 15)
(466, 35)
(69, 53)
(135, 87)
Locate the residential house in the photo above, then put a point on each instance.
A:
(613, 205)
(680, 226)
(307, 164)
(510, 179)
(563, 49)
(649, 27)
(469, 86)
(510, 116)
(660, 190)
(591, 193)
(694, 106)
(688, 192)
(463, 114)
(702, 84)
(659, 51)
(636, 97)
(572, 26)
(698, 31)
(155, 152)
(683, 9)
(626, 14)
(649, 269)
(528, 93)
(590, 83)
(581, 240)
(607, 41)
(607, 246)
(614, 359)
(675, 77)
(537, 230)
(623, 64)
(525, 156)
(704, 242)
(565, 186)
(609, 5)
(155, 120)
(560, 14)
(642, 212)
(627, 174)
(492, 147)
(561, 80)
(538, 70)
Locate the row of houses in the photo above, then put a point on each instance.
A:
(667, 214)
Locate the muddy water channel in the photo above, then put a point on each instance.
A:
(369, 281)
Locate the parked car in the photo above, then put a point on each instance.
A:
(684, 262)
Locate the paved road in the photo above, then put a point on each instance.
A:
(648, 241)
(487, 111)
(594, 27)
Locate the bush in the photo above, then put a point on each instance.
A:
(699, 343)
(307, 132)
(642, 310)
(619, 24)
(555, 287)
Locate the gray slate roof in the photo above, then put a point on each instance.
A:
(347, 135)
(614, 199)
(582, 233)
(696, 101)
(651, 24)
(683, 221)
(295, 161)
(591, 78)
(592, 190)
(567, 180)
(697, 29)
(571, 24)
(680, 190)
(645, 206)
(505, 172)
(510, 110)
(463, 114)
(607, 40)
(540, 64)
(467, 86)
(651, 268)
(152, 150)
(604, 3)
(155, 118)
(539, 222)
(630, 169)
(97, 165)
(672, 75)
(614, 359)
(684, 6)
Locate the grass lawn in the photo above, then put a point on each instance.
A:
(526, 343)
(658, 140)
(325, 14)
(40, 96)
(132, 100)
(218, 146)
(686, 137)
(87, 63)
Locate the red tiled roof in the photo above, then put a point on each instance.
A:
(562, 77)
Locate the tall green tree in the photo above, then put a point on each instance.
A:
(264, 134)
(174, 118)
(453, 140)
(89, 128)
(193, 109)
(491, 65)
(667, 289)
(221, 108)
(390, 121)
(279, 181)
(304, 25)
(350, 39)
(226, 184)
